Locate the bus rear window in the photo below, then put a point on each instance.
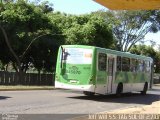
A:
(77, 55)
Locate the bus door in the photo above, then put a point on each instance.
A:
(101, 72)
(111, 73)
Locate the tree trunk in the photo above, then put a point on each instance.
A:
(13, 53)
(6, 68)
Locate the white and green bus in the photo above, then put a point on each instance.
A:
(96, 70)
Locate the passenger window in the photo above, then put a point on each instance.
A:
(140, 67)
(133, 66)
(102, 62)
(147, 66)
(119, 63)
(125, 64)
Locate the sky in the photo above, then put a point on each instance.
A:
(78, 7)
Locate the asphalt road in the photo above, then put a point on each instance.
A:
(69, 102)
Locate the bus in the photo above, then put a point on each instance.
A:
(96, 70)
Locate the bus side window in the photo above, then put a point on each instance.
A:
(133, 66)
(147, 66)
(102, 61)
(119, 63)
(140, 67)
(125, 64)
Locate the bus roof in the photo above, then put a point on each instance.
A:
(128, 54)
(118, 53)
(130, 4)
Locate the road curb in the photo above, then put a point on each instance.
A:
(25, 88)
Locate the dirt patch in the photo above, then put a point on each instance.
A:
(154, 108)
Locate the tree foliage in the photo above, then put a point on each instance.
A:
(148, 51)
(26, 23)
(130, 27)
(84, 29)
(31, 33)
(34, 32)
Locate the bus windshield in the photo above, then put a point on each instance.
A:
(77, 55)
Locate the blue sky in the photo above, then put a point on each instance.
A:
(76, 6)
(153, 36)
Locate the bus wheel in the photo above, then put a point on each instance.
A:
(88, 93)
(145, 89)
(119, 89)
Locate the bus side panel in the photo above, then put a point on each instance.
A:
(141, 78)
(132, 81)
(125, 78)
(94, 66)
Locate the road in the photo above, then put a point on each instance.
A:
(69, 102)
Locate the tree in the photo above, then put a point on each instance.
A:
(155, 20)
(10, 48)
(143, 50)
(148, 51)
(129, 27)
(21, 24)
(84, 29)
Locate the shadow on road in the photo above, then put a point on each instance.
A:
(129, 98)
(158, 90)
(4, 97)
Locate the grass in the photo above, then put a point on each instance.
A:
(21, 87)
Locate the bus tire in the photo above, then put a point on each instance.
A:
(88, 93)
(119, 89)
(145, 88)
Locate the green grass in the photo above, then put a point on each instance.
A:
(21, 87)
